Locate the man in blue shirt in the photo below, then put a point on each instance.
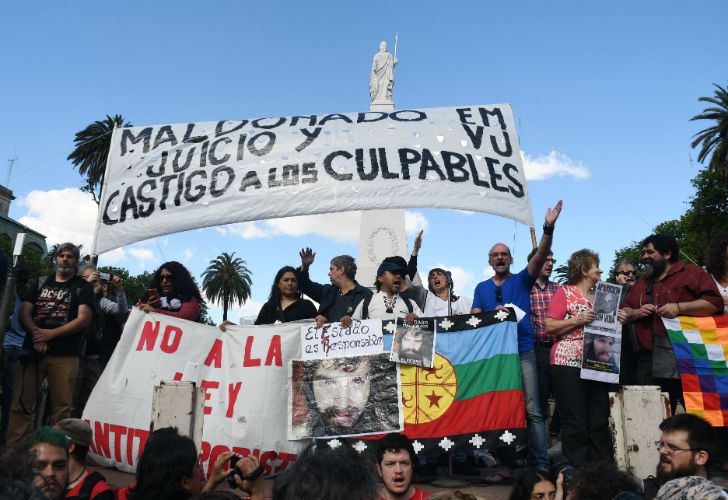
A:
(515, 290)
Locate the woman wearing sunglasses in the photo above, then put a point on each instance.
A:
(173, 292)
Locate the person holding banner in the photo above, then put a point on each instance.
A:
(173, 292)
(285, 302)
(670, 289)
(583, 404)
(716, 263)
(338, 299)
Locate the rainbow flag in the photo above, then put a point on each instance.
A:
(701, 350)
(472, 395)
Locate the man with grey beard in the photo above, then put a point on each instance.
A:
(55, 312)
(670, 289)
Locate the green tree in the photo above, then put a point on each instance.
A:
(227, 280)
(707, 214)
(713, 141)
(92, 149)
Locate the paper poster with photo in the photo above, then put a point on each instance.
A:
(346, 396)
(414, 344)
(333, 340)
(603, 337)
(600, 358)
(606, 304)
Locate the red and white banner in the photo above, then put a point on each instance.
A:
(244, 372)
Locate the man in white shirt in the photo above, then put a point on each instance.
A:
(387, 304)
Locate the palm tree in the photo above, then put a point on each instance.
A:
(713, 141)
(91, 151)
(226, 280)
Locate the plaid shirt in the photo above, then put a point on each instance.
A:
(540, 298)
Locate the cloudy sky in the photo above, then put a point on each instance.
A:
(602, 95)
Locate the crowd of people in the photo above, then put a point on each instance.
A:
(65, 326)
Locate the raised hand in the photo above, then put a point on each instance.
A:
(553, 213)
(307, 257)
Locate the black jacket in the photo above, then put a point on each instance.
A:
(326, 294)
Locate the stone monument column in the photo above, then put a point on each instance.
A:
(382, 232)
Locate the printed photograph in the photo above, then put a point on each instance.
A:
(344, 397)
(414, 344)
(601, 353)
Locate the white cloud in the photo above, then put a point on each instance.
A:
(246, 230)
(488, 272)
(340, 227)
(414, 222)
(554, 164)
(142, 254)
(250, 309)
(187, 255)
(112, 257)
(61, 215)
(461, 278)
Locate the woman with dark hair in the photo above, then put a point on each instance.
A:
(169, 469)
(716, 263)
(173, 292)
(583, 404)
(534, 484)
(285, 302)
(442, 301)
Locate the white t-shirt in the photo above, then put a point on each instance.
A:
(378, 310)
(723, 291)
(435, 306)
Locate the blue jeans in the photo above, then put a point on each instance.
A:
(535, 423)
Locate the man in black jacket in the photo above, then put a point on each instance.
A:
(338, 299)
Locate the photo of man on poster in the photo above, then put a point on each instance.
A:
(601, 352)
(414, 344)
(344, 396)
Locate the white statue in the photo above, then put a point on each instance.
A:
(381, 79)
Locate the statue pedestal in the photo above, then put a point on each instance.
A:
(381, 106)
(381, 234)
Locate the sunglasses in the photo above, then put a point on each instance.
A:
(627, 273)
(498, 294)
(163, 277)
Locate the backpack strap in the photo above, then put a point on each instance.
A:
(365, 307)
(408, 303)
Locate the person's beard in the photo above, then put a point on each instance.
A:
(689, 470)
(66, 271)
(654, 269)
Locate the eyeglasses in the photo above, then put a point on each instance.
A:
(163, 277)
(499, 254)
(498, 294)
(551, 260)
(627, 273)
(671, 448)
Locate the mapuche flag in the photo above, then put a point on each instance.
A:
(472, 395)
(701, 350)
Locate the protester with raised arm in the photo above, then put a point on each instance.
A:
(515, 289)
(338, 299)
(442, 301)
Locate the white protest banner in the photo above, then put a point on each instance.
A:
(603, 336)
(168, 178)
(333, 340)
(243, 370)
